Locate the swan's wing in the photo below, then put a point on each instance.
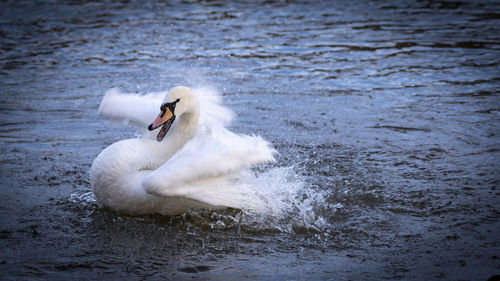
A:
(212, 113)
(207, 156)
(134, 109)
(233, 191)
(141, 110)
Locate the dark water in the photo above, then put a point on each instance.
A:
(389, 111)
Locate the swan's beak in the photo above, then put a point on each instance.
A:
(165, 119)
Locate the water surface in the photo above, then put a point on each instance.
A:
(388, 112)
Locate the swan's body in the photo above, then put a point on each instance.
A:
(195, 163)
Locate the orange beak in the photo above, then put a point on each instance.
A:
(164, 120)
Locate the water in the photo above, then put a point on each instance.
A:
(386, 116)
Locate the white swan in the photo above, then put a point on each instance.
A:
(188, 160)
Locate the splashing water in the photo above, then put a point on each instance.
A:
(288, 204)
(279, 198)
(84, 199)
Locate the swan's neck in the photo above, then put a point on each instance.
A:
(188, 122)
(157, 153)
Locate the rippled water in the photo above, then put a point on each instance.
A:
(386, 114)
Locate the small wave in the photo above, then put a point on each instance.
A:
(83, 199)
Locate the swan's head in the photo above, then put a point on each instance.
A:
(178, 101)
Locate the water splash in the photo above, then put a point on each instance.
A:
(83, 199)
(279, 200)
(287, 203)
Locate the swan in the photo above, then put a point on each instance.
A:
(187, 159)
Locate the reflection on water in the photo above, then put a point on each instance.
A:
(386, 112)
